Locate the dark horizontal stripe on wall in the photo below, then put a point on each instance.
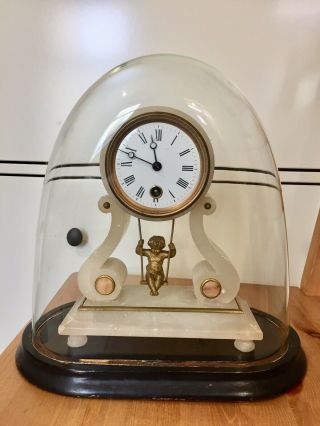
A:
(41, 163)
(60, 166)
(239, 169)
(245, 169)
(236, 169)
(246, 183)
(301, 183)
(297, 169)
(73, 177)
(215, 181)
(22, 175)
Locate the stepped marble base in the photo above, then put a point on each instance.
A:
(174, 313)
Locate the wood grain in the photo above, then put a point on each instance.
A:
(23, 404)
(310, 282)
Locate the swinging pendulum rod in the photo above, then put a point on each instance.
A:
(168, 262)
(142, 280)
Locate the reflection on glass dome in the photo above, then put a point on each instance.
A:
(165, 184)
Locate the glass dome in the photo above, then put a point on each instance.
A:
(221, 283)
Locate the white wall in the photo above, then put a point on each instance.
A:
(52, 51)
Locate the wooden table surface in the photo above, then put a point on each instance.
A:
(23, 404)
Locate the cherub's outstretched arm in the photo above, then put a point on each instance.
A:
(140, 250)
(169, 253)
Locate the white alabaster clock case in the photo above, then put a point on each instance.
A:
(161, 261)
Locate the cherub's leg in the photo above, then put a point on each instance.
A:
(159, 280)
(151, 284)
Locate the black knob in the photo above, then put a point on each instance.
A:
(156, 192)
(74, 237)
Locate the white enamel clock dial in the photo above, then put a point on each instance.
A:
(158, 165)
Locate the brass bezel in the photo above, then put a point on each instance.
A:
(187, 125)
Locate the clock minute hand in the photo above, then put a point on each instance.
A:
(131, 154)
(153, 146)
(157, 166)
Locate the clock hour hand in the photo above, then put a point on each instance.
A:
(131, 154)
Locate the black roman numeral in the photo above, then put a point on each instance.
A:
(171, 194)
(143, 138)
(129, 180)
(187, 168)
(158, 134)
(175, 138)
(140, 192)
(186, 151)
(183, 183)
(126, 163)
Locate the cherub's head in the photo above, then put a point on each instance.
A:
(156, 243)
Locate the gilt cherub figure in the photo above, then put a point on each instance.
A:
(155, 275)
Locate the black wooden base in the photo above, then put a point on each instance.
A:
(178, 379)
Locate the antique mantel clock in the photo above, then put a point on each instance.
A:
(161, 262)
